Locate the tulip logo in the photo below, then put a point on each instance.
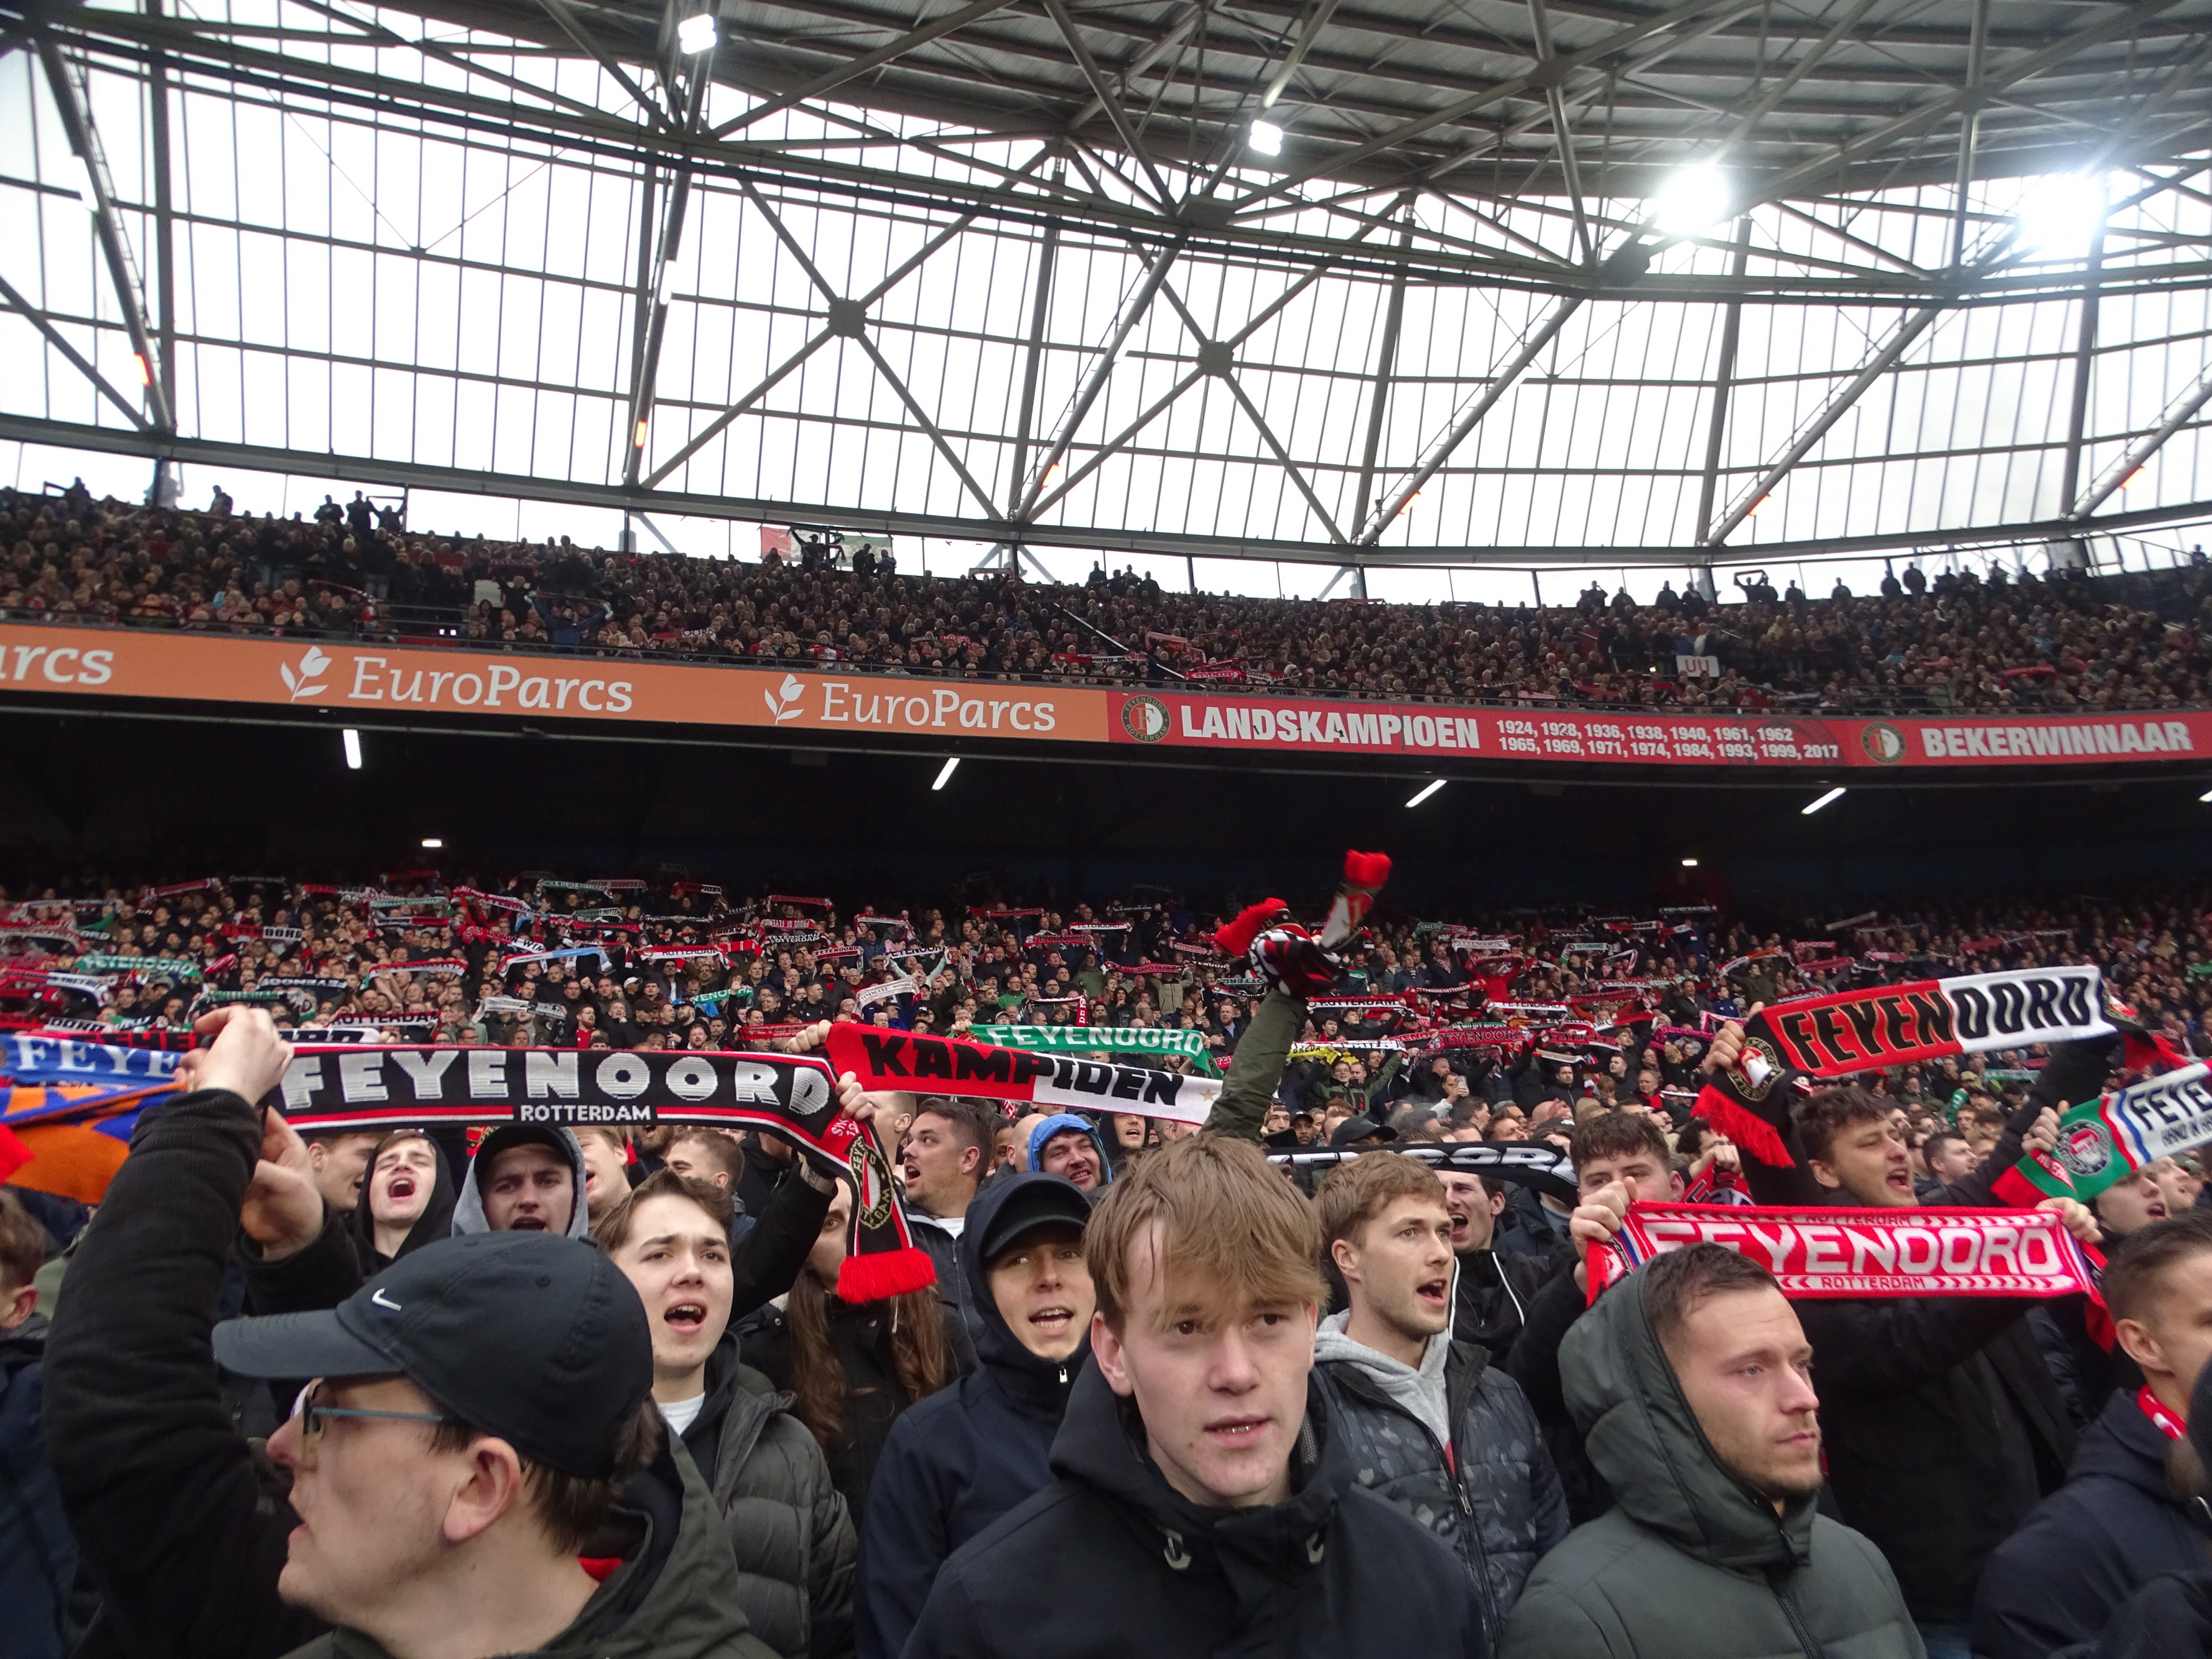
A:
(301, 683)
(785, 706)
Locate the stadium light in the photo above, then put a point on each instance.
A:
(1431, 790)
(1689, 864)
(1829, 799)
(1267, 138)
(1694, 199)
(432, 843)
(351, 739)
(945, 774)
(2060, 215)
(696, 34)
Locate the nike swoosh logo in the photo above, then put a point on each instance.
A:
(382, 1300)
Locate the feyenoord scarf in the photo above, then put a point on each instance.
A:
(792, 1095)
(1884, 1025)
(1112, 1039)
(1533, 1164)
(2105, 1141)
(886, 1060)
(1907, 1251)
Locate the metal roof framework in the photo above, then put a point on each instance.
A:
(1015, 271)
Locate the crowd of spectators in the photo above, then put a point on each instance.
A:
(764, 966)
(1962, 641)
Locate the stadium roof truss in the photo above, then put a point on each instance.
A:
(1592, 280)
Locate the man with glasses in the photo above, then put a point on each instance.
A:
(478, 1468)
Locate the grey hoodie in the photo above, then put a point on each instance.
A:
(1692, 1564)
(468, 1210)
(1420, 1391)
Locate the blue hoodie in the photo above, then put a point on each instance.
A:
(957, 1460)
(1064, 1121)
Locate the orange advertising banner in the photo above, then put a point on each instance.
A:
(355, 679)
(367, 679)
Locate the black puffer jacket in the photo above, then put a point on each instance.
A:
(789, 1528)
(1110, 1561)
(1497, 1502)
(2084, 1550)
(957, 1460)
(1494, 1292)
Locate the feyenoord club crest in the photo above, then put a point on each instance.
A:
(1757, 1067)
(1145, 718)
(872, 1183)
(2085, 1149)
(1882, 742)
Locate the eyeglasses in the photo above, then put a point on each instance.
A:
(314, 1415)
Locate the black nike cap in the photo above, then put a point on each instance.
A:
(536, 1338)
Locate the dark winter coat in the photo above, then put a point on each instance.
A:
(436, 1221)
(1498, 1501)
(1493, 1292)
(182, 1528)
(874, 1397)
(1110, 1561)
(2114, 1526)
(2169, 1618)
(1691, 1562)
(957, 1460)
(674, 1597)
(788, 1527)
(38, 1557)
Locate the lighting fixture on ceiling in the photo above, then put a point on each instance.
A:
(945, 773)
(2060, 213)
(1694, 199)
(695, 33)
(432, 843)
(351, 741)
(1829, 799)
(1689, 864)
(1267, 138)
(1431, 790)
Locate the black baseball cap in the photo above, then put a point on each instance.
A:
(1354, 1130)
(534, 1337)
(1041, 1201)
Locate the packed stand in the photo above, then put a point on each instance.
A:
(1328, 1373)
(2051, 645)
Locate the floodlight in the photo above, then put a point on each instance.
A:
(696, 34)
(1694, 199)
(1267, 138)
(2059, 214)
(1426, 793)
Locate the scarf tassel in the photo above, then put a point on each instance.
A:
(879, 1275)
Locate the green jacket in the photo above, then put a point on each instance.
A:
(1242, 1106)
(1692, 1564)
(687, 1610)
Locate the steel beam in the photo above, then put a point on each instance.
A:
(77, 360)
(1386, 367)
(122, 269)
(853, 68)
(570, 25)
(1095, 382)
(364, 470)
(1970, 114)
(2178, 413)
(1723, 390)
(1499, 385)
(1033, 363)
(1110, 100)
(2085, 349)
(1315, 22)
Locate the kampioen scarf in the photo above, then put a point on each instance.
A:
(2106, 1141)
(1110, 1039)
(1904, 1251)
(793, 1097)
(1882, 1025)
(885, 1060)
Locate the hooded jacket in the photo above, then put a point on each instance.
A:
(1332, 1570)
(469, 1208)
(436, 1221)
(1060, 1122)
(1493, 1293)
(1493, 1496)
(38, 1557)
(788, 1527)
(1691, 1562)
(2084, 1550)
(959, 1460)
(674, 1597)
